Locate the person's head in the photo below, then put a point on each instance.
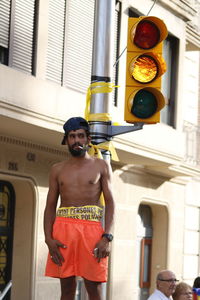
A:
(196, 283)
(183, 291)
(77, 136)
(166, 282)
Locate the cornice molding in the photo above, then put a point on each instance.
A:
(146, 151)
(181, 8)
(22, 111)
(192, 37)
(30, 145)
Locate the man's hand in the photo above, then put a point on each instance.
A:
(55, 254)
(102, 249)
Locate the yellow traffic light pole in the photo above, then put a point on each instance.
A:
(142, 104)
(100, 101)
(99, 116)
(144, 68)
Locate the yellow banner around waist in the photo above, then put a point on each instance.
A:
(87, 212)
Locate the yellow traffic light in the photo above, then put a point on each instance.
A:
(144, 68)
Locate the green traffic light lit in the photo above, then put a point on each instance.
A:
(144, 104)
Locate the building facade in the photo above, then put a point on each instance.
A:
(45, 70)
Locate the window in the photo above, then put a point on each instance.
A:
(3, 55)
(70, 39)
(5, 6)
(169, 79)
(78, 44)
(70, 43)
(17, 30)
(55, 40)
(145, 264)
(145, 234)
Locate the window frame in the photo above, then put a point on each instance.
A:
(145, 242)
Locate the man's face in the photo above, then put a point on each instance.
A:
(167, 283)
(77, 142)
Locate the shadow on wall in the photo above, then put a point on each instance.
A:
(140, 177)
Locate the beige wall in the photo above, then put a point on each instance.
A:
(30, 181)
(132, 186)
(166, 199)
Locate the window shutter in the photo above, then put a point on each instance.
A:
(78, 44)
(4, 22)
(55, 40)
(22, 35)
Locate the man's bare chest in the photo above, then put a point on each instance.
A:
(79, 177)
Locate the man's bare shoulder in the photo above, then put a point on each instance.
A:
(103, 164)
(57, 166)
(96, 160)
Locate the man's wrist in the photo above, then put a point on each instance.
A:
(108, 236)
(48, 239)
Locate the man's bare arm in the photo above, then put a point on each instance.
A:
(103, 246)
(106, 183)
(50, 215)
(51, 203)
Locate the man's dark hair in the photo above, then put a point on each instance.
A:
(196, 283)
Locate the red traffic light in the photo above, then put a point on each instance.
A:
(146, 35)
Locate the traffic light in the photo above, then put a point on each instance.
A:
(144, 68)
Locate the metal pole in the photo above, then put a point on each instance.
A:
(102, 69)
(102, 64)
(103, 47)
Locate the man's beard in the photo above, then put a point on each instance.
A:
(78, 152)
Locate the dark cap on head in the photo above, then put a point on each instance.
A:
(74, 124)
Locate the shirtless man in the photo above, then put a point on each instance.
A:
(78, 245)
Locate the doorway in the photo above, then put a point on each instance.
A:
(7, 210)
(144, 238)
(18, 207)
(152, 245)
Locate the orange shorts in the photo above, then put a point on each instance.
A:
(80, 237)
